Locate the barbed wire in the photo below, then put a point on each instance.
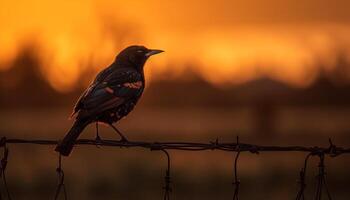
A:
(3, 165)
(236, 182)
(301, 195)
(236, 147)
(189, 146)
(60, 186)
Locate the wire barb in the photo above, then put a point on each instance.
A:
(333, 150)
(60, 186)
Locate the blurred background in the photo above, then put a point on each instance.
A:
(271, 72)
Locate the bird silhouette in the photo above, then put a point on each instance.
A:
(111, 96)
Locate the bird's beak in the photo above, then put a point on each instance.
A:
(152, 52)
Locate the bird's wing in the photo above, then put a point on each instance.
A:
(110, 92)
(99, 78)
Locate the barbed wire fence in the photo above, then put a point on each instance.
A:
(237, 147)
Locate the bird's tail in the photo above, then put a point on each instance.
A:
(65, 146)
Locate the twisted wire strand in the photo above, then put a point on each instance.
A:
(236, 182)
(189, 146)
(3, 168)
(60, 186)
(301, 195)
(167, 187)
(321, 180)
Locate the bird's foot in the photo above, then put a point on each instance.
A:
(123, 140)
(98, 140)
(122, 137)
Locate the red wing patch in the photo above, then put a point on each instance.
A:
(109, 90)
(134, 85)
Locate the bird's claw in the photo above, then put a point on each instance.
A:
(98, 140)
(123, 140)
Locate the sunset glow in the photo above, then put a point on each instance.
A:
(242, 44)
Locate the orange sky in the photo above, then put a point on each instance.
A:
(226, 41)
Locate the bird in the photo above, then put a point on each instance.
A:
(111, 96)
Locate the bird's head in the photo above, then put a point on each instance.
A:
(136, 55)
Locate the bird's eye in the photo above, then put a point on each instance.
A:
(139, 51)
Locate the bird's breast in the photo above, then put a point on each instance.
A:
(121, 111)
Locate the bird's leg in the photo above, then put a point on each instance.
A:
(123, 138)
(98, 138)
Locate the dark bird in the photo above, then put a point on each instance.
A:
(111, 96)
